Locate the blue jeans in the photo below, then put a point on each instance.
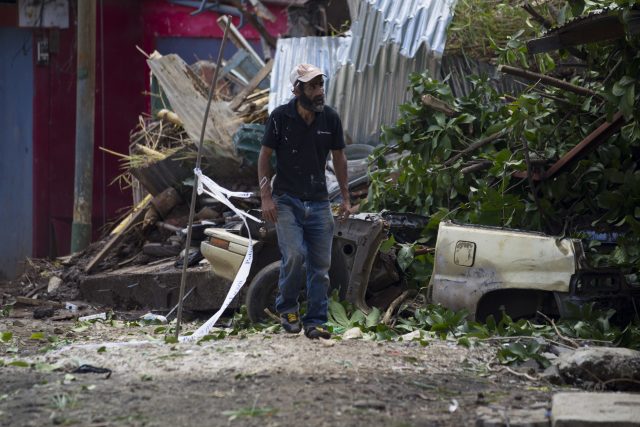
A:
(305, 234)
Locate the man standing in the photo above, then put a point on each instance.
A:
(302, 133)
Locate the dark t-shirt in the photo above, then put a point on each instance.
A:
(301, 150)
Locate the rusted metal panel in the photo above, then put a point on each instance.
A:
(471, 261)
(596, 27)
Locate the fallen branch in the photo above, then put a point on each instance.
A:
(520, 374)
(386, 319)
(520, 337)
(271, 315)
(482, 165)
(473, 147)
(551, 81)
(555, 328)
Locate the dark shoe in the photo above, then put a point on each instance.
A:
(315, 332)
(290, 322)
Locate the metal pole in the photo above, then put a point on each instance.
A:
(85, 120)
(195, 181)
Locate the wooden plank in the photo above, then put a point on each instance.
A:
(39, 302)
(188, 96)
(595, 138)
(116, 238)
(255, 81)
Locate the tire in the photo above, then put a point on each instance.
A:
(263, 290)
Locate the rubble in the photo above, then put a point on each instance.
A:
(611, 368)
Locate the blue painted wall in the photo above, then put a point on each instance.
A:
(16, 142)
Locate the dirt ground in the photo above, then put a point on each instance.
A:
(257, 379)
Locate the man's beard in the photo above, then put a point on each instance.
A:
(316, 104)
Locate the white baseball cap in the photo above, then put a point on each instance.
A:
(305, 73)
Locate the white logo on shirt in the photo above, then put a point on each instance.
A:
(323, 132)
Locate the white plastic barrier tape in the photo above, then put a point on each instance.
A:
(208, 186)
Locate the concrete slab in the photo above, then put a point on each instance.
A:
(595, 409)
(490, 416)
(157, 286)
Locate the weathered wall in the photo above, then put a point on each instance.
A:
(16, 168)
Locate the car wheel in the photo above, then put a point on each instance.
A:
(263, 290)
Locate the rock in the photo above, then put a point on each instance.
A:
(595, 409)
(552, 374)
(54, 284)
(411, 335)
(490, 416)
(43, 312)
(352, 333)
(597, 365)
(370, 404)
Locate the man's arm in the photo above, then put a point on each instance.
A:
(269, 211)
(340, 166)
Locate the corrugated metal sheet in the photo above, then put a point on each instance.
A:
(458, 68)
(369, 71)
(320, 51)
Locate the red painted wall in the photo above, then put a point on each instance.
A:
(120, 80)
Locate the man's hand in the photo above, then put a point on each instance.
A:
(269, 211)
(344, 210)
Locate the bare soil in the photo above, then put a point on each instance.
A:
(256, 379)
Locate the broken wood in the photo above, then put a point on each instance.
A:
(595, 138)
(482, 165)
(126, 221)
(39, 302)
(255, 81)
(237, 38)
(476, 145)
(438, 105)
(36, 290)
(551, 81)
(150, 152)
(187, 94)
(116, 238)
(386, 319)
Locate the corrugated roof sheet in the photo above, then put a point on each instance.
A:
(320, 51)
(458, 69)
(368, 72)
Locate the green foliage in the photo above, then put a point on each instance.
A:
(5, 310)
(343, 316)
(63, 401)
(479, 27)
(521, 352)
(436, 319)
(600, 192)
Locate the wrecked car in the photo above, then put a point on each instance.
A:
(359, 272)
(486, 270)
